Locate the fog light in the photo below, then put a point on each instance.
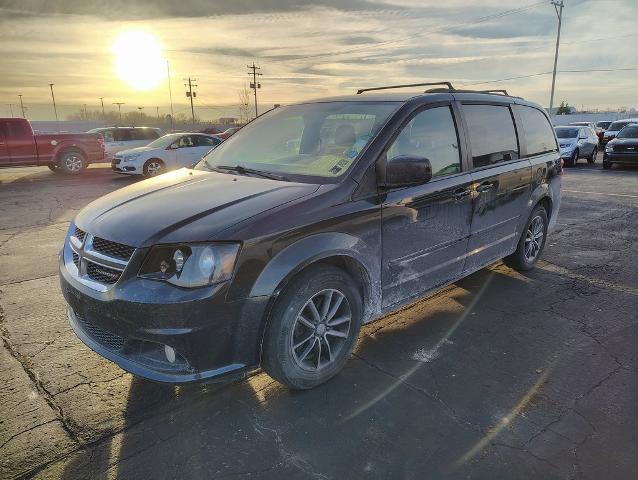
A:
(170, 353)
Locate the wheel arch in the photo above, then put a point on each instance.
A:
(69, 148)
(337, 249)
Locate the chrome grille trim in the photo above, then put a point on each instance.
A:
(90, 267)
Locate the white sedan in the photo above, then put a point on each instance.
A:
(172, 151)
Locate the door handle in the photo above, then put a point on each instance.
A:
(484, 187)
(461, 193)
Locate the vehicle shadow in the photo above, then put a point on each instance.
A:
(358, 421)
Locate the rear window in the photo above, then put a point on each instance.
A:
(539, 135)
(492, 134)
(147, 134)
(603, 124)
(567, 132)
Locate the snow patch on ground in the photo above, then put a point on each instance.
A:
(426, 355)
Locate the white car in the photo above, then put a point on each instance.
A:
(172, 151)
(117, 139)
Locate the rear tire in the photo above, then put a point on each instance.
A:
(304, 346)
(153, 167)
(72, 162)
(532, 241)
(606, 165)
(592, 157)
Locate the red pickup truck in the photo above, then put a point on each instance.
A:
(62, 152)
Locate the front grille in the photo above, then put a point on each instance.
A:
(104, 338)
(626, 148)
(76, 259)
(102, 274)
(112, 249)
(79, 234)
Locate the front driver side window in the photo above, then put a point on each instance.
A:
(430, 134)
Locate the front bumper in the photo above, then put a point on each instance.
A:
(132, 322)
(124, 167)
(621, 158)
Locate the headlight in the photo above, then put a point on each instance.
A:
(190, 265)
(609, 148)
(130, 158)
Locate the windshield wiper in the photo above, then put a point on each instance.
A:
(251, 171)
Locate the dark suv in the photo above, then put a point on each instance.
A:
(310, 221)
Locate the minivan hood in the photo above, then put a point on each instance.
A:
(184, 205)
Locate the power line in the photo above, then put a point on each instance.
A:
(587, 70)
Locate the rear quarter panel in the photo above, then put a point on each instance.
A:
(51, 144)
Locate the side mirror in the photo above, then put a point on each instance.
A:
(407, 171)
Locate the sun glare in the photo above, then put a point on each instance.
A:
(138, 59)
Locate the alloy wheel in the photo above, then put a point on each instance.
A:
(73, 163)
(534, 238)
(320, 330)
(154, 168)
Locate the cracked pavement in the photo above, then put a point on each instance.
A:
(501, 375)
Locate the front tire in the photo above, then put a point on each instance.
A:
(606, 164)
(153, 167)
(532, 241)
(592, 157)
(313, 328)
(72, 162)
(54, 167)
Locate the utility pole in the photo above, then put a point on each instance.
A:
(170, 93)
(119, 109)
(55, 109)
(157, 112)
(11, 108)
(190, 94)
(140, 110)
(558, 6)
(22, 106)
(102, 102)
(254, 84)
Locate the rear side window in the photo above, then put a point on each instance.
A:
(492, 134)
(108, 135)
(18, 129)
(122, 135)
(539, 134)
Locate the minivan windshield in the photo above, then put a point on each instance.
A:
(629, 132)
(313, 142)
(567, 132)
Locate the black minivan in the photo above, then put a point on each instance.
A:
(310, 221)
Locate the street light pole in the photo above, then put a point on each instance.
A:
(55, 109)
(170, 93)
(22, 106)
(102, 102)
(558, 6)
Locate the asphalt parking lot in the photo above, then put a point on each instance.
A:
(501, 375)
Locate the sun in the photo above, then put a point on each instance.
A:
(138, 59)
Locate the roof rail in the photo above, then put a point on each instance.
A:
(449, 86)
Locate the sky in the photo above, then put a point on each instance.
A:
(307, 49)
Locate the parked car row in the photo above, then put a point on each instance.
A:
(581, 140)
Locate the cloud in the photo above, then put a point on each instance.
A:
(145, 9)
